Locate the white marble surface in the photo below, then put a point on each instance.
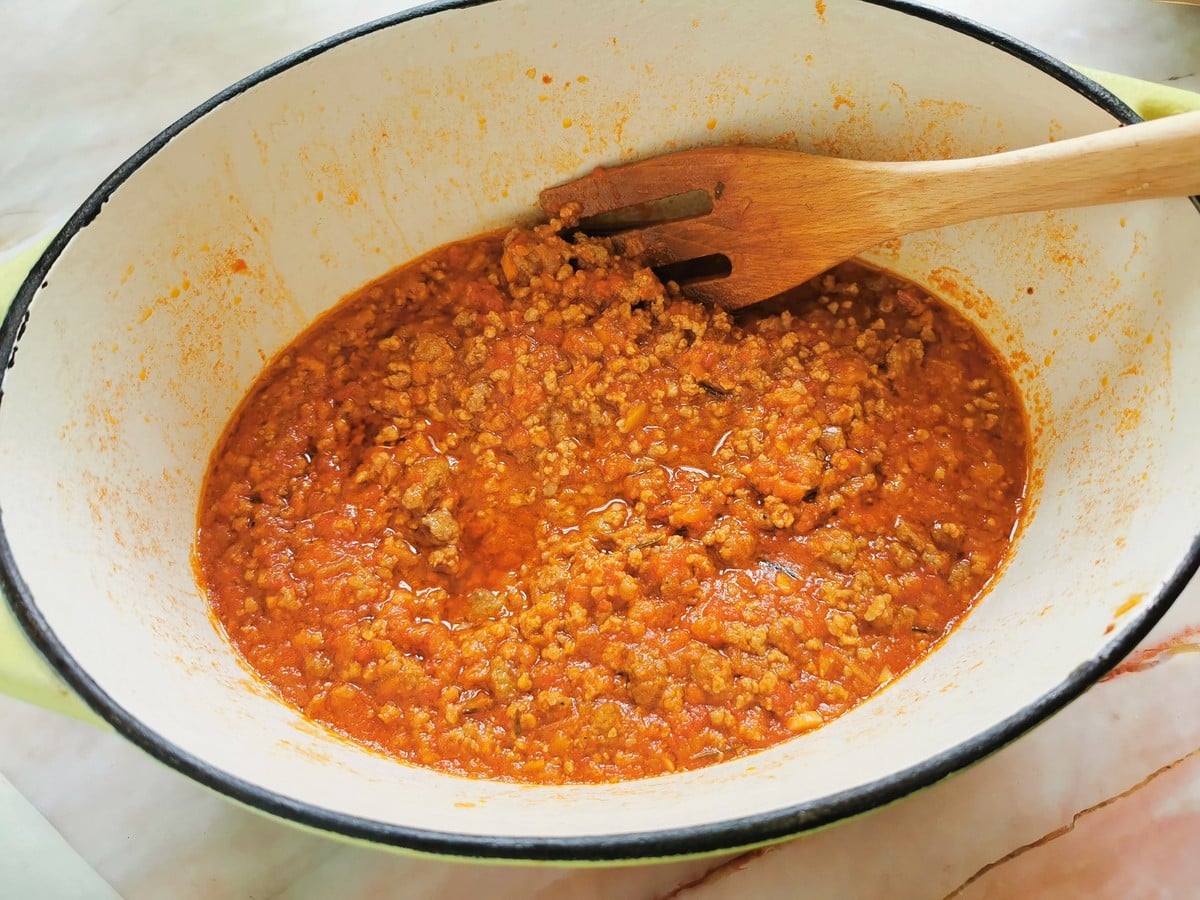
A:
(1103, 800)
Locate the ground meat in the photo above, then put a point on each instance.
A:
(442, 526)
(519, 510)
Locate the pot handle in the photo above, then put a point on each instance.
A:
(23, 672)
(26, 676)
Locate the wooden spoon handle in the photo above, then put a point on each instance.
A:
(1138, 162)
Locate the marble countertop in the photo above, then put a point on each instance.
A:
(1102, 800)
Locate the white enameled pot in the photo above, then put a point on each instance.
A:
(157, 305)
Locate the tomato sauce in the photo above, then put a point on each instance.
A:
(520, 511)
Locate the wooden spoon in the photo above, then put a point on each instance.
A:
(781, 217)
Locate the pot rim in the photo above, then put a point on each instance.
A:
(712, 837)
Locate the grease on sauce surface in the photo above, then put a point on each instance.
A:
(520, 511)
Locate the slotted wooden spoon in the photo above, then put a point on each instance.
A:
(781, 217)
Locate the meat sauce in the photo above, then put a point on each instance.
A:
(520, 511)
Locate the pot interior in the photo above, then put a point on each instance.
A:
(213, 252)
